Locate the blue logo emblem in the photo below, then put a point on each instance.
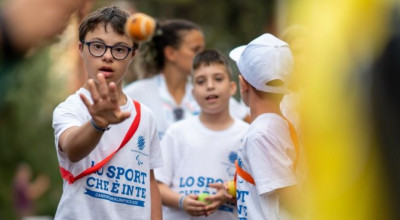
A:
(141, 142)
(232, 156)
(139, 162)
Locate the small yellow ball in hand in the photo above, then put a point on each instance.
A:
(232, 188)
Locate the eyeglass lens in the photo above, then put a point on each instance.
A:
(99, 49)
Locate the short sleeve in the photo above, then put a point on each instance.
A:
(168, 144)
(72, 112)
(271, 162)
(156, 155)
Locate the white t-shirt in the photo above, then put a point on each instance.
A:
(153, 93)
(121, 188)
(267, 154)
(194, 156)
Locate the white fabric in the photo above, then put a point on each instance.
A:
(264, 59)
(153, 93)
(267, 154)
(121, 188)
(289, 106)
(237, 52)
(194, 156)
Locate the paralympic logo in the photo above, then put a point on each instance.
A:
(141, 142)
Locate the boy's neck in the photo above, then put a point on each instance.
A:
(123, 99)
(217, 122)
(261, 106)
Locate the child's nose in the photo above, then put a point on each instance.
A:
(108, 54)
(210, 84)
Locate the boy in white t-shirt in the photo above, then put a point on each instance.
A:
(107, 144)
(200, 151)
(168, 57)
(266, 183)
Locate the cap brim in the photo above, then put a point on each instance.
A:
(236, 53)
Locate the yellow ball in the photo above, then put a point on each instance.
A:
(232, 188)
(140, 27)
(202, 197)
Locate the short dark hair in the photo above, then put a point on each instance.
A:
(211, 56)
(112, 15)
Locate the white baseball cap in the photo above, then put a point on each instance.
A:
(264, 59)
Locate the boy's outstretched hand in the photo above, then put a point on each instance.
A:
(105, 108)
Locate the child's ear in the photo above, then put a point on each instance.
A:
(169, 53)
(244, 86)
(132, 56)
(80, 47)
(233, 88)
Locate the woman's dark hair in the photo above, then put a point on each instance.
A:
(169, 33)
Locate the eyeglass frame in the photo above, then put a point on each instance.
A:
(135, 47)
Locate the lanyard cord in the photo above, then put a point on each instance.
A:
(246, 176)
(66, 175)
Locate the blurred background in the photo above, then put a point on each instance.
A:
(349, 109)
(37, 84)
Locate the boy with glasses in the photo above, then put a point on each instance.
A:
(107, 144)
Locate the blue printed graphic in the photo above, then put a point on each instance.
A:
(117, 199)
(199, 184)
(241, 198)
(141, 142)
(225, 208)
(139, 162)
(119, 185)
(232, 156)
(240, 163)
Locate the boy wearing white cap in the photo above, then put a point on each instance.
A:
(267, 156)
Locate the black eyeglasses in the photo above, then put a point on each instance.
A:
(119, 52)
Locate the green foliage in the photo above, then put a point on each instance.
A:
(26, 134)
(226, 23)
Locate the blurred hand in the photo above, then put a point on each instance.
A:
(221, 197)
(38, 187)
(194, 207)
(105, 108)
(32, 22)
